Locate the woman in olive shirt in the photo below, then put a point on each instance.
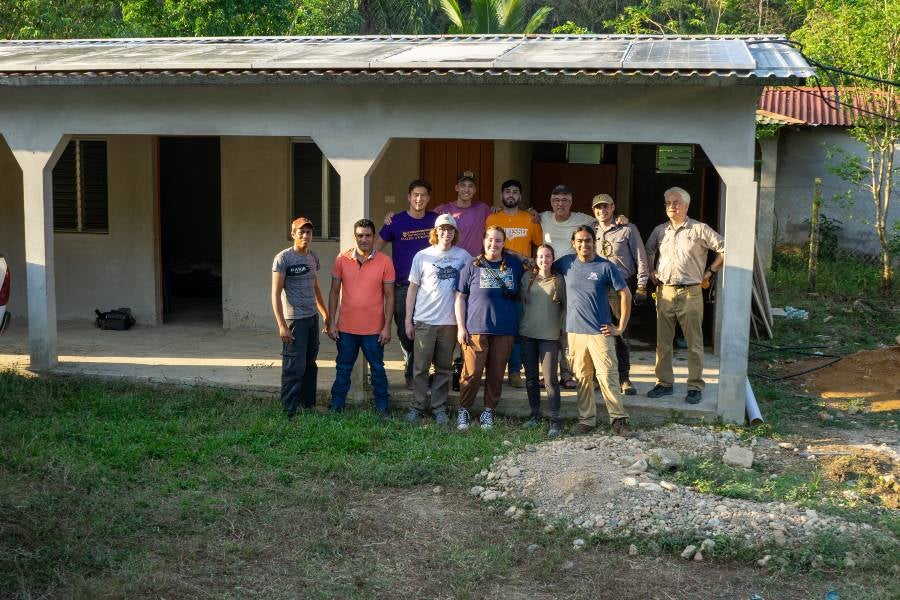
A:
(543, 300)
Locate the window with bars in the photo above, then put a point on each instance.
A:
(316, 190)
(80, 188)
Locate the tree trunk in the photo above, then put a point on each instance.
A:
(814, 235)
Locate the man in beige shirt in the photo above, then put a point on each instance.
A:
(682, 246)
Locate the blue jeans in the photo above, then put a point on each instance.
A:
(298, 365)
(348, 346)
(540, 359)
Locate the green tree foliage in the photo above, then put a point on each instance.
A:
(326, 17)
(863, 36)
(708, 16)
(42, 19)
(493, 16)
(570, 28)
(401, 16)
(207, 17)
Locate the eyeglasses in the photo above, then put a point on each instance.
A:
(673, 204)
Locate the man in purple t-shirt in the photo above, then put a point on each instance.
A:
(408, 233)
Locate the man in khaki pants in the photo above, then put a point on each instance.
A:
(591, 332)
(682, 246)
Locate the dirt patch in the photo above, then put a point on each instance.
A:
(872, 376)
(335, 541)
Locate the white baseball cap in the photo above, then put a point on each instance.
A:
(445, 219)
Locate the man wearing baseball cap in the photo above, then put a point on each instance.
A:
(469, 216)
(295, 299)
(430, 320)
(622, 246)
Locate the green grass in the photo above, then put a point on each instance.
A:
(88, 469)
(847, 313)
(116, 489)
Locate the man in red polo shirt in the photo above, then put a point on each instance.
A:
(361, 304)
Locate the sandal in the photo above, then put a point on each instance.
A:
(569, 384)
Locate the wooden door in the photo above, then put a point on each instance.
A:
(442, 160)
(586, 181)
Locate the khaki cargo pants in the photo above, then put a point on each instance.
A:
(589, 355)
(682, 305)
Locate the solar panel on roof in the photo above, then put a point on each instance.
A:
(689, 54)
(752, 57)
(437, 53)
(566, 54)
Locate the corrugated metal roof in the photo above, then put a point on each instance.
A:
(765, 117)
(506, 57)
(811, 105)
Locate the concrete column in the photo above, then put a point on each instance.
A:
(36, 157)
(735, 294)
(623, 179)
(354, 160)
(765, 219)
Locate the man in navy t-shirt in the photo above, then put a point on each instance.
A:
(408, 232)
(590, 330)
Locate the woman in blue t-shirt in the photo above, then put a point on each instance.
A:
(488, 321)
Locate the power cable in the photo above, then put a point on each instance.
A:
(797, 350)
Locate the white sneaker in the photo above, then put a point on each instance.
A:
(487, 419)
(462, 420)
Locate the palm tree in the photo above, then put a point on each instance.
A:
(493, 16)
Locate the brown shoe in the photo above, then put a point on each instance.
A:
(582, 429)
(515, 380)
(620, 427)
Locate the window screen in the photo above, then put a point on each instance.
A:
(80, 188)
(315, 184)
(675, 158)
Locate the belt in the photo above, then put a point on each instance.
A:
(679, 286)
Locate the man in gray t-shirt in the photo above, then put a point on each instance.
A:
(295, 298)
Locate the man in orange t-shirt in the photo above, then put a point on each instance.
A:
(361, 304)
(523, 236)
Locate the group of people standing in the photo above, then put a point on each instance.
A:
(550, 291)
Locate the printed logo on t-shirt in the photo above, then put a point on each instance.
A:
(297, 270)
(415, 234)
(515, 232)
(491, 278)
(444, 273)
(593, 276)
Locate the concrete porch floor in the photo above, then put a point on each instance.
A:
(249, 360)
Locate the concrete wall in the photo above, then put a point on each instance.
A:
(94, 270)
(255, 224)
(801, 158)
(398, 166)
(512, 160)
(256, 201)
(12, 229)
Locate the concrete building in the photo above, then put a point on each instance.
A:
(162, 174)
(814, 122)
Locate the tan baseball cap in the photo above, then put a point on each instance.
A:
(602, 199)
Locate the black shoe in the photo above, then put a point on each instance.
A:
(628, 388)
(659, 391)
(693, 397)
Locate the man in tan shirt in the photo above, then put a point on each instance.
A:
(682, 246)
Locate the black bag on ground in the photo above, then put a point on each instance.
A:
(119, 319)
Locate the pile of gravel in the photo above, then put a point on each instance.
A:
(611, 485)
